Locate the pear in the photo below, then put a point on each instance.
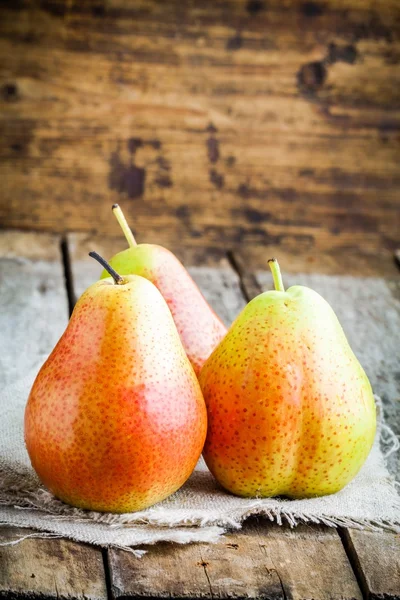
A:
(116, 420)
(290, 409)
(199, 327)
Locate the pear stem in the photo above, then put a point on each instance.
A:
(124, 225)
(276, 274)
(117, 278)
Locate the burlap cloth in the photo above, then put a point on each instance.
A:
(200, 511)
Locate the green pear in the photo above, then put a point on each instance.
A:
(290, 410)
(115, 420)
(200, 329)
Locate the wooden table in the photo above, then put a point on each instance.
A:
(223, 123)
(40, 275)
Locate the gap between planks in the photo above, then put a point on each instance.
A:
(66, 262)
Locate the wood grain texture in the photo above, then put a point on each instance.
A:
(30, 246)
(225, 124)
(262, 561)
(310, 560)
(377, 559)
(40, 568)
(234, 568)
(33, 302)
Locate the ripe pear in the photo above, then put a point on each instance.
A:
(199, 327)
(290, 409)
(116, 420)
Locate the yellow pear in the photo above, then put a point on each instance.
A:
(290, 409)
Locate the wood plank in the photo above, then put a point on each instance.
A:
(297, 255)
(226, 124)
(33, 302)
(377, 559)
(261, 561)
(56, 568)
(233, 568)
(220, 286)
(311, 562)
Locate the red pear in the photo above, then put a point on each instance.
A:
(115, 420)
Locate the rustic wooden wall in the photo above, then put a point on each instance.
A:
(260, 123)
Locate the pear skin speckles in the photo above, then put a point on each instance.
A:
(115, 420)
(290, 409)
(200, 329)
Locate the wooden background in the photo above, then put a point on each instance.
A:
(272, 126)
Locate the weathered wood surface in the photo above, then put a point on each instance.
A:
(59, 569)
(308, 560)
(262, 561)
(33, 302)
(233, 568)
(225, 124)
(377, 559)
